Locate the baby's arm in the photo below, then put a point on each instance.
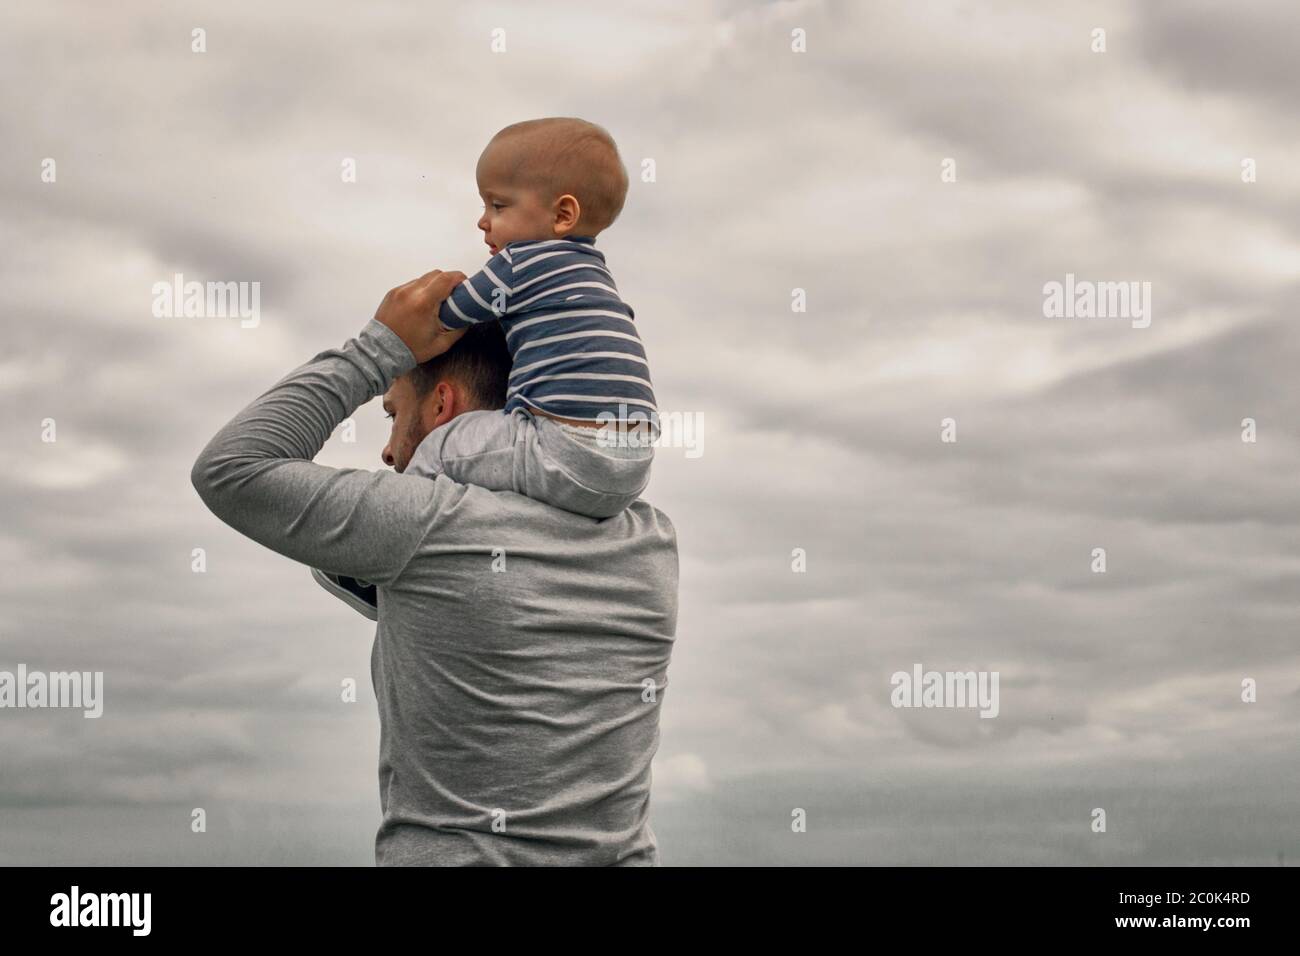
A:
(483, 296)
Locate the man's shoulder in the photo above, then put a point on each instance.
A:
(652, 514)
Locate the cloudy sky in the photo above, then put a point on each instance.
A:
(774, 170)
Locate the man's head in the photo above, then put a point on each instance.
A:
(547, 179)
(469, 376)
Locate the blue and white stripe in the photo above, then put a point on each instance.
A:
(572, 339)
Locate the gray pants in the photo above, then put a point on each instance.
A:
(584, 470)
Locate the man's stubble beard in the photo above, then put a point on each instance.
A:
(413, 438)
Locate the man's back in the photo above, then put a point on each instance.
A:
(520, 662)
(522, 650)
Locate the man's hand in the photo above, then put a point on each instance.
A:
(411, 311)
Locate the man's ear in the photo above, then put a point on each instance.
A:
(441, 405)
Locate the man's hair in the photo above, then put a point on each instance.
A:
(564, 154)
(479, 362)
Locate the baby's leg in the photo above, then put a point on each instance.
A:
(585, 470)
(562, 465)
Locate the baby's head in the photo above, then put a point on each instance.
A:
(549, 179)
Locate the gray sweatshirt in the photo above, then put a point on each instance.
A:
(521, 655)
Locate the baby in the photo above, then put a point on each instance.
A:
(580, 413)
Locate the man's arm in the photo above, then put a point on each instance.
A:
(257, 476)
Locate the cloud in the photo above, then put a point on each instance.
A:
(678, 775)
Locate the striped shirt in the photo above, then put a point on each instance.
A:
(574, 348)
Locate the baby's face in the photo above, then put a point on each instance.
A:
(510, 212)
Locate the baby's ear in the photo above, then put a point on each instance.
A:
(568, 211)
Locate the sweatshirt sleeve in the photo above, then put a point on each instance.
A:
(257, 475)
(483, 296)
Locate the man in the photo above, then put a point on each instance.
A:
(522, 651)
